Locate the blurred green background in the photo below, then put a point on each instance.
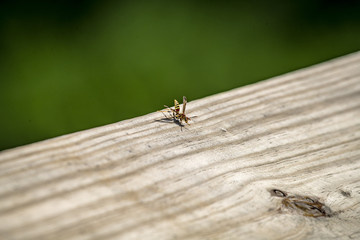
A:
(67, 66)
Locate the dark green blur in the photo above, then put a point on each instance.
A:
(74, 65)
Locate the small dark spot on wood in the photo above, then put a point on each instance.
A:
(223, 129)
(345, 193)
(277, 193)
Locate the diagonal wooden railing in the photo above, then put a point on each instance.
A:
(273, 160)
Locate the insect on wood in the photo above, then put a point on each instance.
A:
(175, 113)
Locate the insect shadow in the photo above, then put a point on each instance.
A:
(170, 120)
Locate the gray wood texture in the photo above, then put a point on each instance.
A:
(279, 159)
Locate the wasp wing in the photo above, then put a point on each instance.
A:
(184, 104)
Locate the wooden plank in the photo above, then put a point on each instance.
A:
(277, 159)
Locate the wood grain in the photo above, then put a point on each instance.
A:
(146, 179)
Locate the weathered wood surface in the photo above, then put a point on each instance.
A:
(145, 179)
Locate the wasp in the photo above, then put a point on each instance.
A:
(175, 112)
